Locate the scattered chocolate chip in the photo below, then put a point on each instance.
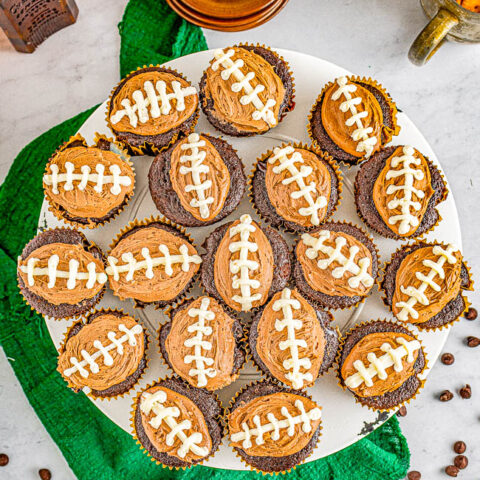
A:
(459, 447)
(473, 342)
(451, 470)
(402, 411)
(471, 314)
(448, 358)
(45, 474)
(446, 395)
(414, 475)
(466, 391)
(3, 459)
(461, 461)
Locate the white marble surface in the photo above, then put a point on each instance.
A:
(76, 69)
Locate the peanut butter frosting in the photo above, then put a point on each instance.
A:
(199, 177)
(201, 344)
(294, 200)
(84, 194)
(374, 344)
(131, 276)
(288, 438)
(227, 94)
(102, 370)
(156, 122)
(402, 190)
(162, 421)
(288, 317)
(48, 272)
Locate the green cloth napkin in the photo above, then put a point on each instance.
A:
(94, 447)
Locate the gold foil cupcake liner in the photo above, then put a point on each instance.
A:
(149, 148)
(119, 149)
(323, 155)
(134, 428)
(387, 132)
(356, 397)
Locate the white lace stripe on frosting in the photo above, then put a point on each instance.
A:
(298, 175)
(359, 269)
(197, 168)
(295, 362)
(167, 260)
(156, 98)
(263, 111)
(274, 425)
(154, 403)
(103, 351)
(378, 366)
(418, 294)
(365, 143)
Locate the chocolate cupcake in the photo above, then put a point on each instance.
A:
(177, 425)
(105, 355)
(246, 90)
(61, 274)
(424, 282)
(87, 186)
(295, 187)
(201, 343)
(397, 191)
(151, 107)
(292, 340)
(152, 262)
(352, 119)
(198, 181)
(335, 265)
(244, 264)
(273, 429)
(380, 363)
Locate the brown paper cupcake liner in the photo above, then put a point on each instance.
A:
(145, 451)
(388, 132)
(120, 151)
(320, 153)
(148, 148)
(356, 397)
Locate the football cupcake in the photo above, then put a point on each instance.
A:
(177, 425)
(244, 264)
(335, 265)
(61, 274)
(292, 340)
(352, 119)
(271, 428)
(105, 355)
(380, 363)
(246, 90)
(86, 185)
(295, 187)
(201, 343)
(424, 283)
(151, 107)
(397, 191)
(198, 181)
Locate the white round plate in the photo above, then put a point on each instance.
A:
(344, 421)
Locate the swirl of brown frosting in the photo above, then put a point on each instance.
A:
(123, 364)
(407, 276)
(60, 293)
(162, 123)
(372, 343)
(227, 103)
(272, 404)
(188, 411)
(87, 203)
(217, 174)
(221, 340)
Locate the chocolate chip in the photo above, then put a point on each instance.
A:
(402, 411)
(466, 391)
(451, 470)
(471, 314)
(446, 395)
(473, 342)
(3, 459)
(45, 474)
(459, 447)
(461, 461)
(414, 475)
(448, 358)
